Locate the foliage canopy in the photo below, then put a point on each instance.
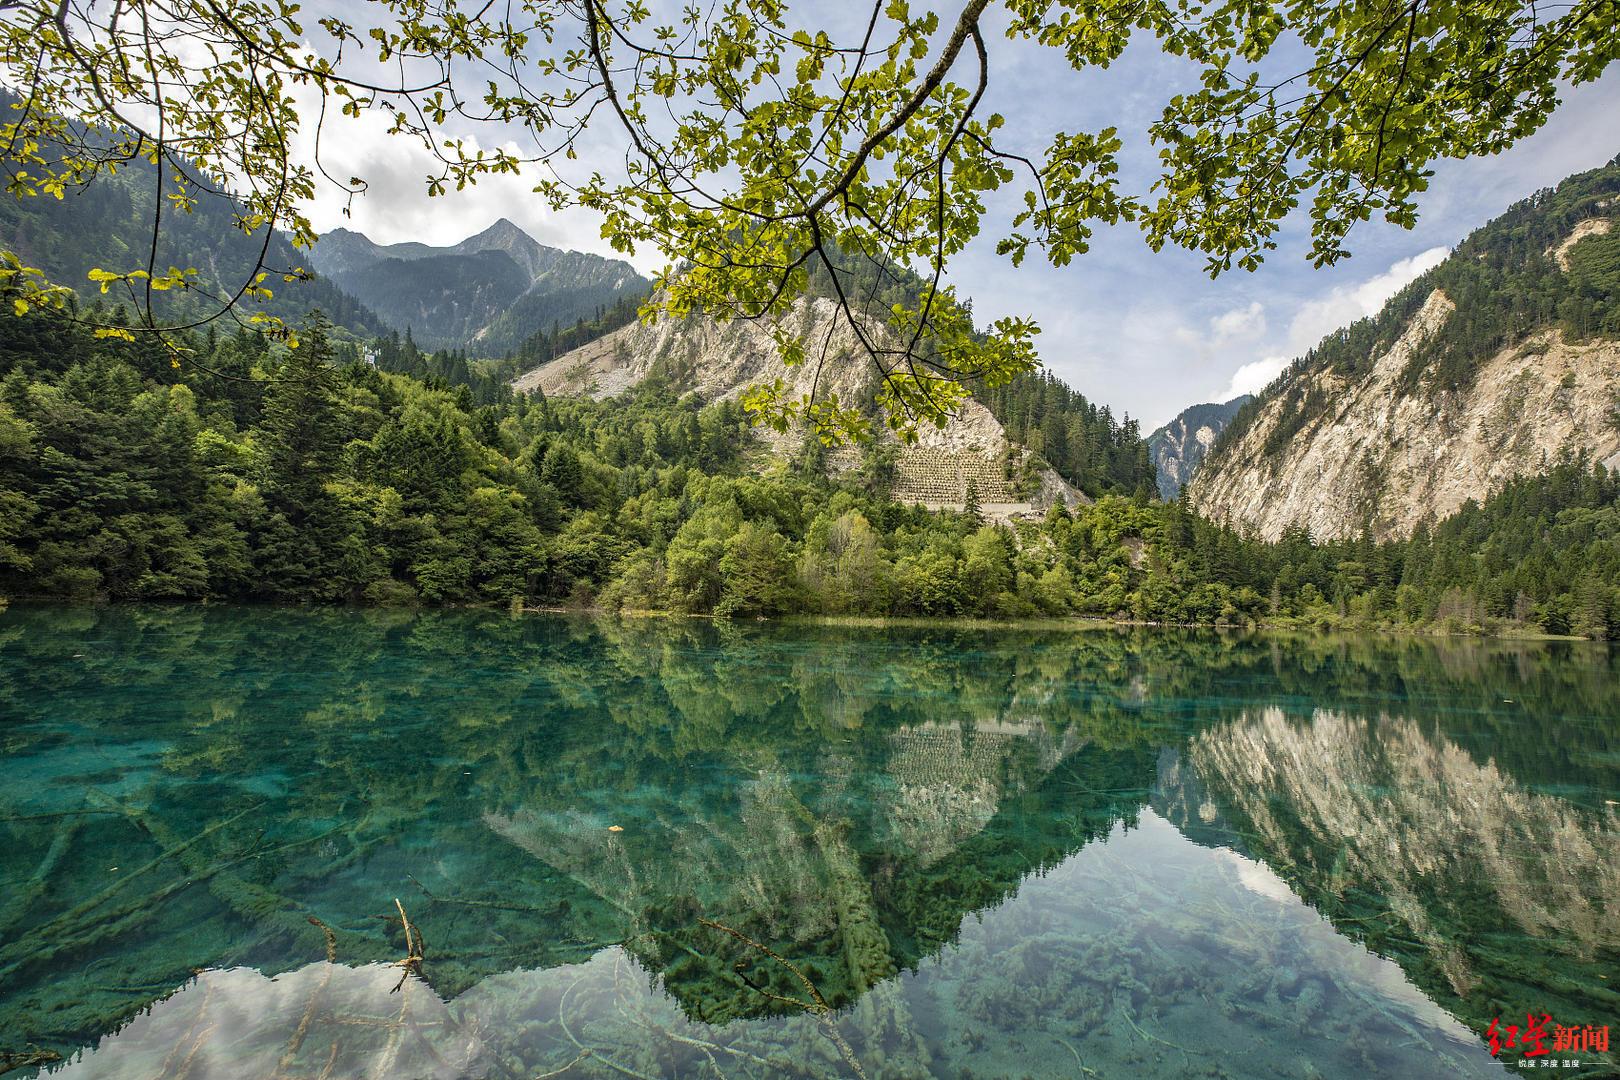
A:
(759, 149)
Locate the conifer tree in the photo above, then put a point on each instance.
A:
(301, 424)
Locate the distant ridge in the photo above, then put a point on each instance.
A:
(109, 224)
(487, 294)
(1178, 448)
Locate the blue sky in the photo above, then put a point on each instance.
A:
(1145, 333)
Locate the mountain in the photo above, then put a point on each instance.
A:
(721, 360)
(488, 294)
(1491, 366)
(108, 225)
(1179, 447)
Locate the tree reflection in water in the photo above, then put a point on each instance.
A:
(989, 853)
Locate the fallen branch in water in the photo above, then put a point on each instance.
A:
(79, 910)
(82, 925)
(414, 948)
(817, 1005)
(24, 1059)
(297, 1041)
(23, 900)
(562, 1022)
(583, 1054)
(331, 939)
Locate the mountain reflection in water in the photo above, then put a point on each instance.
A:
(668, 849)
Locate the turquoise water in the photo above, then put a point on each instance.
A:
(686, 849)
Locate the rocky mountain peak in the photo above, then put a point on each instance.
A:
(534, 257)
(490, 292)
(1178, 448)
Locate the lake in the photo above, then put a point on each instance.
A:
(245, 842)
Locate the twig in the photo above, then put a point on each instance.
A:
(583, 1054)
(412, 964)
(1148, 1034)
(819, 1004)
(562, 1022)
(58, 814)
(331, 940)
(27, 1058)
(1076, 1053)
(435, 899)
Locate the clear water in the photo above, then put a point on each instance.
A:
(682, 849)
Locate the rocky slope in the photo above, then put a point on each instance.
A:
(1179, 447)
(1490, 366)
(721, 360)
(487, 293)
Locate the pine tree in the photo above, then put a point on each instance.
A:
(562, 470)
(301, 423)
(311, 548)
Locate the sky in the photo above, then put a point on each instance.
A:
(1145, 333)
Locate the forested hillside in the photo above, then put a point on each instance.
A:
(1034, 426)
(307, 475)
(1486, 368)
(1084, 442)
(108, 225)
(1507, 280)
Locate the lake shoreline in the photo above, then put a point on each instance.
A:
(1049, 623)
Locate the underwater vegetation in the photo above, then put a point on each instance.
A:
(260, 842)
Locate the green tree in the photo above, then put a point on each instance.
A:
(757, 573)
(842, 568)
(970, 501)
(987, 568)
(302, 425)
(762, 150)
(561, 469)
(422, 453)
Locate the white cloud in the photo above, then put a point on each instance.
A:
(396, 207)
(1317, 318)
(1239, 324)
(1347, 303)
(1254, 376)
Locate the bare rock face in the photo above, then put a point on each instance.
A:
(1384, 457)
(719, 360)
(722, 360)
(1583, 229)
(1179, 447)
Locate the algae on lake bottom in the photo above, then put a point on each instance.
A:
(665, 850)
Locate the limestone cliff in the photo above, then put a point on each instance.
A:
(718, 360)
(721, 360)
(1489, 367)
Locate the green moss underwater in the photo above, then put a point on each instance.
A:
(246, 842)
